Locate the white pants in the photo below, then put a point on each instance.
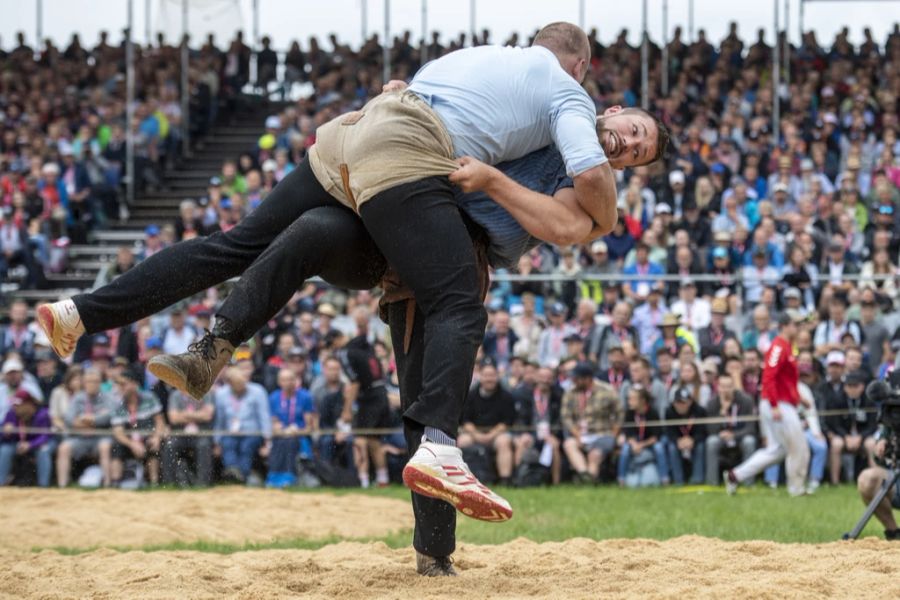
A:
(786, 441)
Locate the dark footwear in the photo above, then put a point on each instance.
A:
(195, 371)
(434, 566)
(892, 535)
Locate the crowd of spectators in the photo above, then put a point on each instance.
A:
(597, 375)
(63, 124)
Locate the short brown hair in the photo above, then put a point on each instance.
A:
(662, 132)
(563, 38)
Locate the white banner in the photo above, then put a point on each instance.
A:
(220, 17)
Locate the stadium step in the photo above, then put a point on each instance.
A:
(119, 236)
(226, 139)
(72, 280)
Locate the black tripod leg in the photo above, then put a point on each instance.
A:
(886, 486)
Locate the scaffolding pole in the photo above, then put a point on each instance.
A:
(645, 58)
(129, 108)
(776, 82)
(185, 83)
(386, 46)
(665, 47)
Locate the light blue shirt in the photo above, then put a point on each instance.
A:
(540, 171)
(245, 413)
(500, 103)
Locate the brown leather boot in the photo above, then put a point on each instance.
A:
(434, 566)
(194, 371)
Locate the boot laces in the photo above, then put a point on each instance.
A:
(205, 346)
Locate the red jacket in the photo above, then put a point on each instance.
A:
(780, 375)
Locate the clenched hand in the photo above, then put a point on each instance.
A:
(472, 174)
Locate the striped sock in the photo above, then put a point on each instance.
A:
(433, 434)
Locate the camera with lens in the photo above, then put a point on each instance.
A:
(886, 396)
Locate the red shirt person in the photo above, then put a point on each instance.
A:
(780, 375)
(779, 421)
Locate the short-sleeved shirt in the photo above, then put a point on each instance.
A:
(499, 103)
(489, 411)
(184, 403)
(140, 419)
(290, 409)
(361, 365)
(101, 407)
(541, 171)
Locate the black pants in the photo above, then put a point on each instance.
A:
(435, 530)
(419, 230)
(287, 250)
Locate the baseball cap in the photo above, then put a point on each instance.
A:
(572, 337)
(243, 353)
(44, 354)
(663, 209)
(133, 374)
(885, 209)
(793, 292)
(269, 165)
(153, 343)
(487, 361)
(722, 236)
(791, 315)
(676, 177)
(557, 308)
(297, 351)
(215, 181)
(23, 395)
(327, 309)
(151, 230)
(687, 282)
(100, 353)
(720, 252)
(273, 122)
(720, 306)
(718, 168)
(599, 247)
(12, 364)
(807, 164)
(835, 357)
(583, 369)
(780, 187)
(683, 394)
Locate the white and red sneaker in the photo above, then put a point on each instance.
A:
(438, 471)
(62, 324)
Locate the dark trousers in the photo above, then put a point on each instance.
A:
(435, 530)
(175, 466)
(283, 456)
(419, 230)
(286, 248)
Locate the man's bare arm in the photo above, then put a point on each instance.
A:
(595, 190)
(559, 220)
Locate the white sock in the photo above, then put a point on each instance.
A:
(364, 481)
(69, 315)
(381, 476)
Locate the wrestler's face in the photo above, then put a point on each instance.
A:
(628, 137)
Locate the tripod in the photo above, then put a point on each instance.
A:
(886, 486)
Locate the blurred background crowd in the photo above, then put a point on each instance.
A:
(589, 351)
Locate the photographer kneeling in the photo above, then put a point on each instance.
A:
(869, 482)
